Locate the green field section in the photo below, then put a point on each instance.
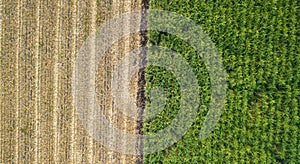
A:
(259, 44)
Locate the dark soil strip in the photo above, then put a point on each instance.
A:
(141, 99)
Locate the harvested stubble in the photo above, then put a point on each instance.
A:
(39, 42)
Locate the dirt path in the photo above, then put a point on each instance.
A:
(39, 41)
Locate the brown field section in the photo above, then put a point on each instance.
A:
(39, 42)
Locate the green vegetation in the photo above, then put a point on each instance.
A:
(259, 44)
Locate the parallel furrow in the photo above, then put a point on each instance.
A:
(47, 45)
(56, 83)
(74, 29)
(92, 29)
(18, 83)
(82, 28)
(9, 49)
(37, 87)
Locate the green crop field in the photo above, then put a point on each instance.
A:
(43, 119)
(259, 43)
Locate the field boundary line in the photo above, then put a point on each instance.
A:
(141, 99)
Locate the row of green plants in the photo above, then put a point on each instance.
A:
(259, 44)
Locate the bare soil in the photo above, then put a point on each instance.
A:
(39, 43)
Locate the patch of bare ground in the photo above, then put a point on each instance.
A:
(39, 41)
